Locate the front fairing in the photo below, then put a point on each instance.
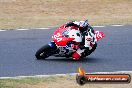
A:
(58, 37)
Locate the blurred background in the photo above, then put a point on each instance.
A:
(53, 13)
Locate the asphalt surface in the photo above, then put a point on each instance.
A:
(17, 49)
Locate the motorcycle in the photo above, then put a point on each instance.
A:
(61, 44)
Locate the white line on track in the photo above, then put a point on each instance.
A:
(98, 26)
(35, 76)
(50, 28)
(71, 74)
(117, 25)
(2, 30)
(22, 29)
(42, 28)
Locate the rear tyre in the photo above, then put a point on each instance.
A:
(88, 52)
(43, 52)
(93, 49)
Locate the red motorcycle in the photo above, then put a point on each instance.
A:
(61, 44)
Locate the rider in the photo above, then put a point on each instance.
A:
(88, 37)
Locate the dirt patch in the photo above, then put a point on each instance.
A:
(47, 13)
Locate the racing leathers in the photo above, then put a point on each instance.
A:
(88, 38)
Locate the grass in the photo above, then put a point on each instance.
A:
(49, 13)
(54, 82)
(30, 82)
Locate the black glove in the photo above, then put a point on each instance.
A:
(91, 28)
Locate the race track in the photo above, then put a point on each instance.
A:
(17, 49)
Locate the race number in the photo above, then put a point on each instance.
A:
(57, 37)
(98, 34)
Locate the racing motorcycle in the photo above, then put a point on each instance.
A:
(61, 44)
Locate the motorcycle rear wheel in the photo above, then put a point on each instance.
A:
(88, 52)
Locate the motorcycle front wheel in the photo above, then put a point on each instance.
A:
(43, 52)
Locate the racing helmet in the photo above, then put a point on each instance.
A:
(75, 34)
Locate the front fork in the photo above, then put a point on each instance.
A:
(53, 47)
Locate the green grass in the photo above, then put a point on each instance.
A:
(14, 83)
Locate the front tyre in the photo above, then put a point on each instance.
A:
(43, 52)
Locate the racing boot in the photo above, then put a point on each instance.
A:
(76, 55)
